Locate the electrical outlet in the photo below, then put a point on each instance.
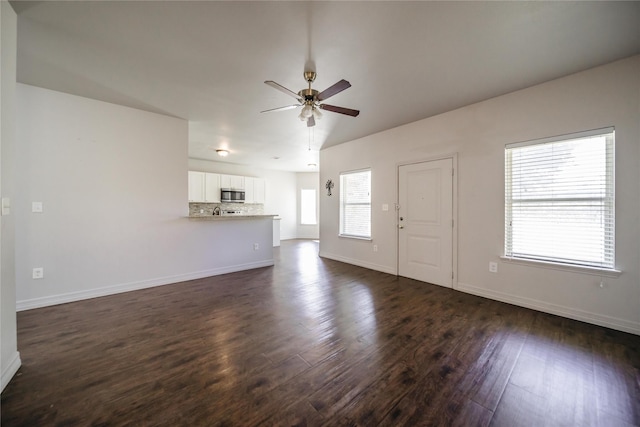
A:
(36, 207)
(493, 267)
(375, 248)
(256, 246)
(38, 273)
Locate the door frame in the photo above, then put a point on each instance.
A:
(454, 235)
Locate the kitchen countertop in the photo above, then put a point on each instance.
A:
(224, 217)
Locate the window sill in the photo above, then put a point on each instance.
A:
(564, 267)
(346, 236)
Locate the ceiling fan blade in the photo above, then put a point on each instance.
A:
(282, 89)
(341, 110)
(311, 121)
(288, 107)
(332, 90)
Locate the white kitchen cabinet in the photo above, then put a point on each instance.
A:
(204, 187)
(232, 181)
(196, 186)
(258, 190)
(248, 189)
(253, 190)
(212, 188)
(225, 181)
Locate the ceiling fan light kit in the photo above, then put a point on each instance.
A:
(306, 112)
(310, 99)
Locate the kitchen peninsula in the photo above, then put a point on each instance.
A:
(232, 207)
(238, 221)
(236, 242)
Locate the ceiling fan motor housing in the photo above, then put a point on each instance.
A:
(309, 95)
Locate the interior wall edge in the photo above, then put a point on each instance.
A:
(558, 310)
(9, 355)
(10, 370)
(30, 304)
(358, 262)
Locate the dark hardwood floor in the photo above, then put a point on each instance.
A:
(316, 342)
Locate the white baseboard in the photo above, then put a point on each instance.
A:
(134, 286)
(359, 263)
(10, 370)
(559, 310)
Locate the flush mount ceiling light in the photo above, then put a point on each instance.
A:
(222, 153)
(312, 165)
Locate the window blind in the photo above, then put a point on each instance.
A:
(559, 199)
(355, 204)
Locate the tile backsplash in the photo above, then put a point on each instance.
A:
(206, 209)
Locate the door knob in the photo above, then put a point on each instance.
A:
(401, 226)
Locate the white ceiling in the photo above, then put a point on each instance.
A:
(206, 61)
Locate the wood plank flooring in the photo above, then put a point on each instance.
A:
(316, 342)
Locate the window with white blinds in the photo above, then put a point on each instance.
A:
(559, 199)
(355, 204)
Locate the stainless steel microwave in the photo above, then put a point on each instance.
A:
(230, 195)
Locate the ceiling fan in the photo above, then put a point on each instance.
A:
(310, 99)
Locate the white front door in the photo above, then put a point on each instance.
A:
(425, 221)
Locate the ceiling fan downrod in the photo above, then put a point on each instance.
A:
(309, 96)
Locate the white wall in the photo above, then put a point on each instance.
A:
(113, 181)
(280, 190)
(9, 355)
(307, 181)
(604, 96)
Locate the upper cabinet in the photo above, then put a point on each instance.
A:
(259, 190)
(253, 190)
(234, 182)
(196, 186)
(212, 188)
(204, 187)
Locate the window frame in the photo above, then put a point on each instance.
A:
(344, 203)
(607, 200)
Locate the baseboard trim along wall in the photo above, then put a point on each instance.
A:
(545, 307)
(10, 370)
(359, 263)
(134, 286)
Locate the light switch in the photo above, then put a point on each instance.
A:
(6, 206)
(36, 207)
(385, 207)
